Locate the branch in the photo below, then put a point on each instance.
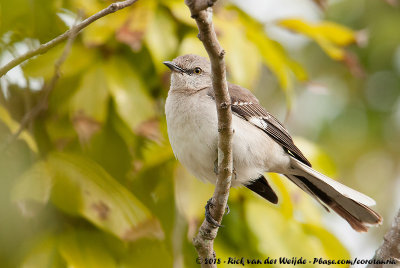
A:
(201, 11)
(390, 249)
(43, 102)
(45, 47)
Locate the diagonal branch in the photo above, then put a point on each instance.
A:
(45, 47)
(390, 249)
(201, 11)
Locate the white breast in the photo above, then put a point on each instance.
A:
(193, 134)
(192, 130)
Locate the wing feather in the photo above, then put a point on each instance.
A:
(245, 105)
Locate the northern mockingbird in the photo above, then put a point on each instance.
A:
(260, 143)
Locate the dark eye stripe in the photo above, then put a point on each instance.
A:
(192, 71)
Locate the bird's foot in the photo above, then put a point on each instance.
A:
(216, 166)
(209, 218)
(234, 173)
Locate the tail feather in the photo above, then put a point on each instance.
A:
(346, 202)
(262, 188)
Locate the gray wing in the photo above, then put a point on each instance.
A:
(245, 105)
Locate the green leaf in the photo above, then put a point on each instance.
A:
(84, 249)
(91, 98)
(133, 103)
(44, 254)
(79, 58)
(147, 253)
(82, 188)
(34, 185)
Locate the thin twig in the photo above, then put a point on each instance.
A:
(201, 11)
(48, 87)
(390, 248)
(45, 47)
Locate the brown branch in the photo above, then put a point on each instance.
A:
(201, 11)
(390, 249)
(45, 47)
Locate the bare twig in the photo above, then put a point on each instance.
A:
(43, 102)
(45, 47)
(390, 249)
(201, 11)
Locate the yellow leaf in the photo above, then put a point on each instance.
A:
(242, 58)
(285, 202)
(43, 253)
(14, 126)
(181, 12)
(192, 45)
(161, 39)
(332, 37)
(273, 55)
(100, 31)
(336, 33)
(191, 195)
(91, 97)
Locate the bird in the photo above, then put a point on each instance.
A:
(260, 143)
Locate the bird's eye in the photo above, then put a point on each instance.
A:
(197, 70)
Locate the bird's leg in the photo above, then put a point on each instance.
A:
(216, 166)
(234, 172)
(209, 218)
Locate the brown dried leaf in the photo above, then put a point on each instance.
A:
(131, 38)
(394, 3)
(150, 228)
(133, 30)
(85, 127)
(150, 129)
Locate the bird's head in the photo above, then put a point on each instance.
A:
(190, 72)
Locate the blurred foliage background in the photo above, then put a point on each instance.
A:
(92, 180)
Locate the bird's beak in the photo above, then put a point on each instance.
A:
(173, 67)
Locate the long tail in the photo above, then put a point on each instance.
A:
(348, 203)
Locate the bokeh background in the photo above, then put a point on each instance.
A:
(92, 180)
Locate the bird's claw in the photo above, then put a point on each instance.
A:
(209, 218)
